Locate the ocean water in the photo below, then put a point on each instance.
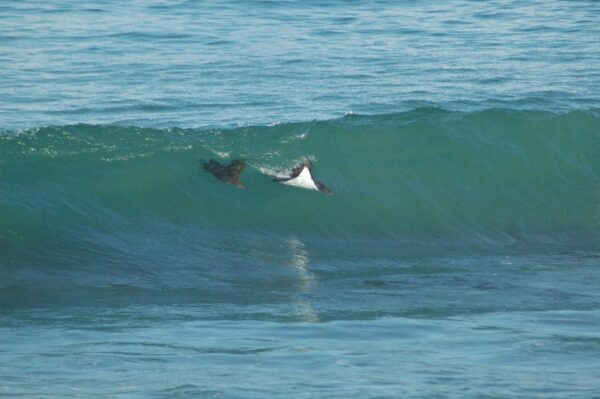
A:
(458, 258)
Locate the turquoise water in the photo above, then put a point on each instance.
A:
(458, 258)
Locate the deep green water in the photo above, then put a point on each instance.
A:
(458, 258)
(432, 177)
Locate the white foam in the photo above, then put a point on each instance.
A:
(222, 154)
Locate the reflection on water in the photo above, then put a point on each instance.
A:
(299, 261)
(285, 270)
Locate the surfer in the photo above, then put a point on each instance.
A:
(302, 177)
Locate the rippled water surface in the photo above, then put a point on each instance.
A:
(194, 64)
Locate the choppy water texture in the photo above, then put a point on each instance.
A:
(458, 258)
(192, 63)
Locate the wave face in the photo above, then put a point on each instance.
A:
(428, 176)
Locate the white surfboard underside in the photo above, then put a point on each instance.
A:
(303, 180)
